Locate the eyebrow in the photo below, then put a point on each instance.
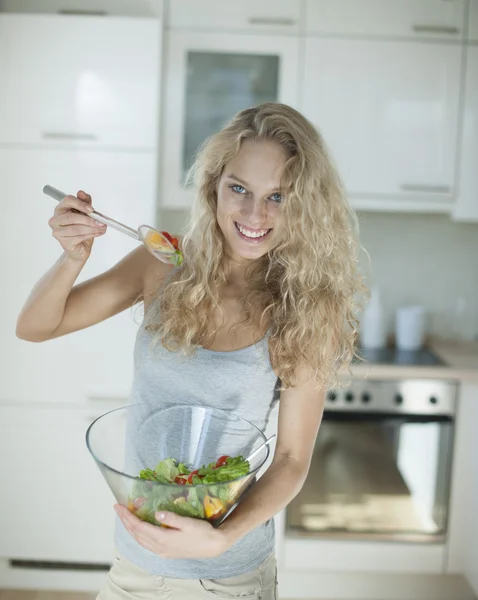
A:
(244, 183)
(231, 176)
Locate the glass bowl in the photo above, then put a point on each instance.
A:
(133, 439)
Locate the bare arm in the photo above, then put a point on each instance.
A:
(300, 415)
(56, 306)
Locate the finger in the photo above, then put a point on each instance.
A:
(74, 241)
(126, 516)
(76, 230)
(70, 202)
(137, 527)
(71, 242)
(84, 196)
(75, 218)
(172, 520)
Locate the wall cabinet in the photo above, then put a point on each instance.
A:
(389, 112)
(208, 79)
(421, 19)
(79, 81)
(473, 21)
(267, 16)
(466, 207)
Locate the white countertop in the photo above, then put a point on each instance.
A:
(461, 358)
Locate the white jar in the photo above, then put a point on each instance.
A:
(410, 325)
(373, 333)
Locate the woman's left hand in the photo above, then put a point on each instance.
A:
(183, 538)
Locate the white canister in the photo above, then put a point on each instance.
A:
(410, 327)
(373, 331)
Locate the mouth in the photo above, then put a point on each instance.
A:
(252, 235)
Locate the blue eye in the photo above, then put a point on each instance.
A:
(276, 197)
(238, 189)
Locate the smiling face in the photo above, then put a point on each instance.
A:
(249, 198)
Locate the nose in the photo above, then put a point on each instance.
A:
(255, 210)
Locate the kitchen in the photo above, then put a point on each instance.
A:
(91, 92)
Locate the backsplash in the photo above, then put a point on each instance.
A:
(428, 260)
(416, 259)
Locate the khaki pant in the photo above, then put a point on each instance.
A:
(126, 581)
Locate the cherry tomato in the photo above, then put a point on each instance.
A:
(180, 480)
(221, 461)
(190, 478)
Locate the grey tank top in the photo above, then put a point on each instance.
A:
(241, 381)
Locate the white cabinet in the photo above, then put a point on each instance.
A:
(388, 111)
(466, 207)
(208, 79)
(473, 21)
(390, 18)
(462, 556)
(471, 568)
(80, 81)
(55, 504)
(98, 361)
(279, 16)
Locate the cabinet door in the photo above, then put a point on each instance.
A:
(281, 16)
(55, 504)
(473, 21)
(406, 18)
(97, 361)
(208, 79)
(79, 81)
(466, 207)
(389, 112)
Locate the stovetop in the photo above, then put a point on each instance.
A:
(394, 356)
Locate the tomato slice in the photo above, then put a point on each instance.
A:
(180, 480)
(172, 240)
(221, 461)
(167, 236)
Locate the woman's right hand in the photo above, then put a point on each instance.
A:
(75, 231)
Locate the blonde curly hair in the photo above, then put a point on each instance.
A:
(303, 292)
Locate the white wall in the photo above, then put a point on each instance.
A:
(425, 259)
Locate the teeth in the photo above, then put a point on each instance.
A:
(251, 234)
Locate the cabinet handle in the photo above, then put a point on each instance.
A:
(436, 29)
(83, 13)
(58, 135)
(418, 187)
(271, 21)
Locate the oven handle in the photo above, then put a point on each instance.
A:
(361, 416)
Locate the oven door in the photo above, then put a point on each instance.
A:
(376, 476)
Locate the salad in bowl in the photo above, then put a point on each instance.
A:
(185, 459)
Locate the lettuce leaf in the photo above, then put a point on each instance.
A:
(167, 468)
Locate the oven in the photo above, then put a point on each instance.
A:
(381, 466)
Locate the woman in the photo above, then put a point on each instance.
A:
(265, 295)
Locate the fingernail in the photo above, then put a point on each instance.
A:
(99, 223)
(161, 516)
